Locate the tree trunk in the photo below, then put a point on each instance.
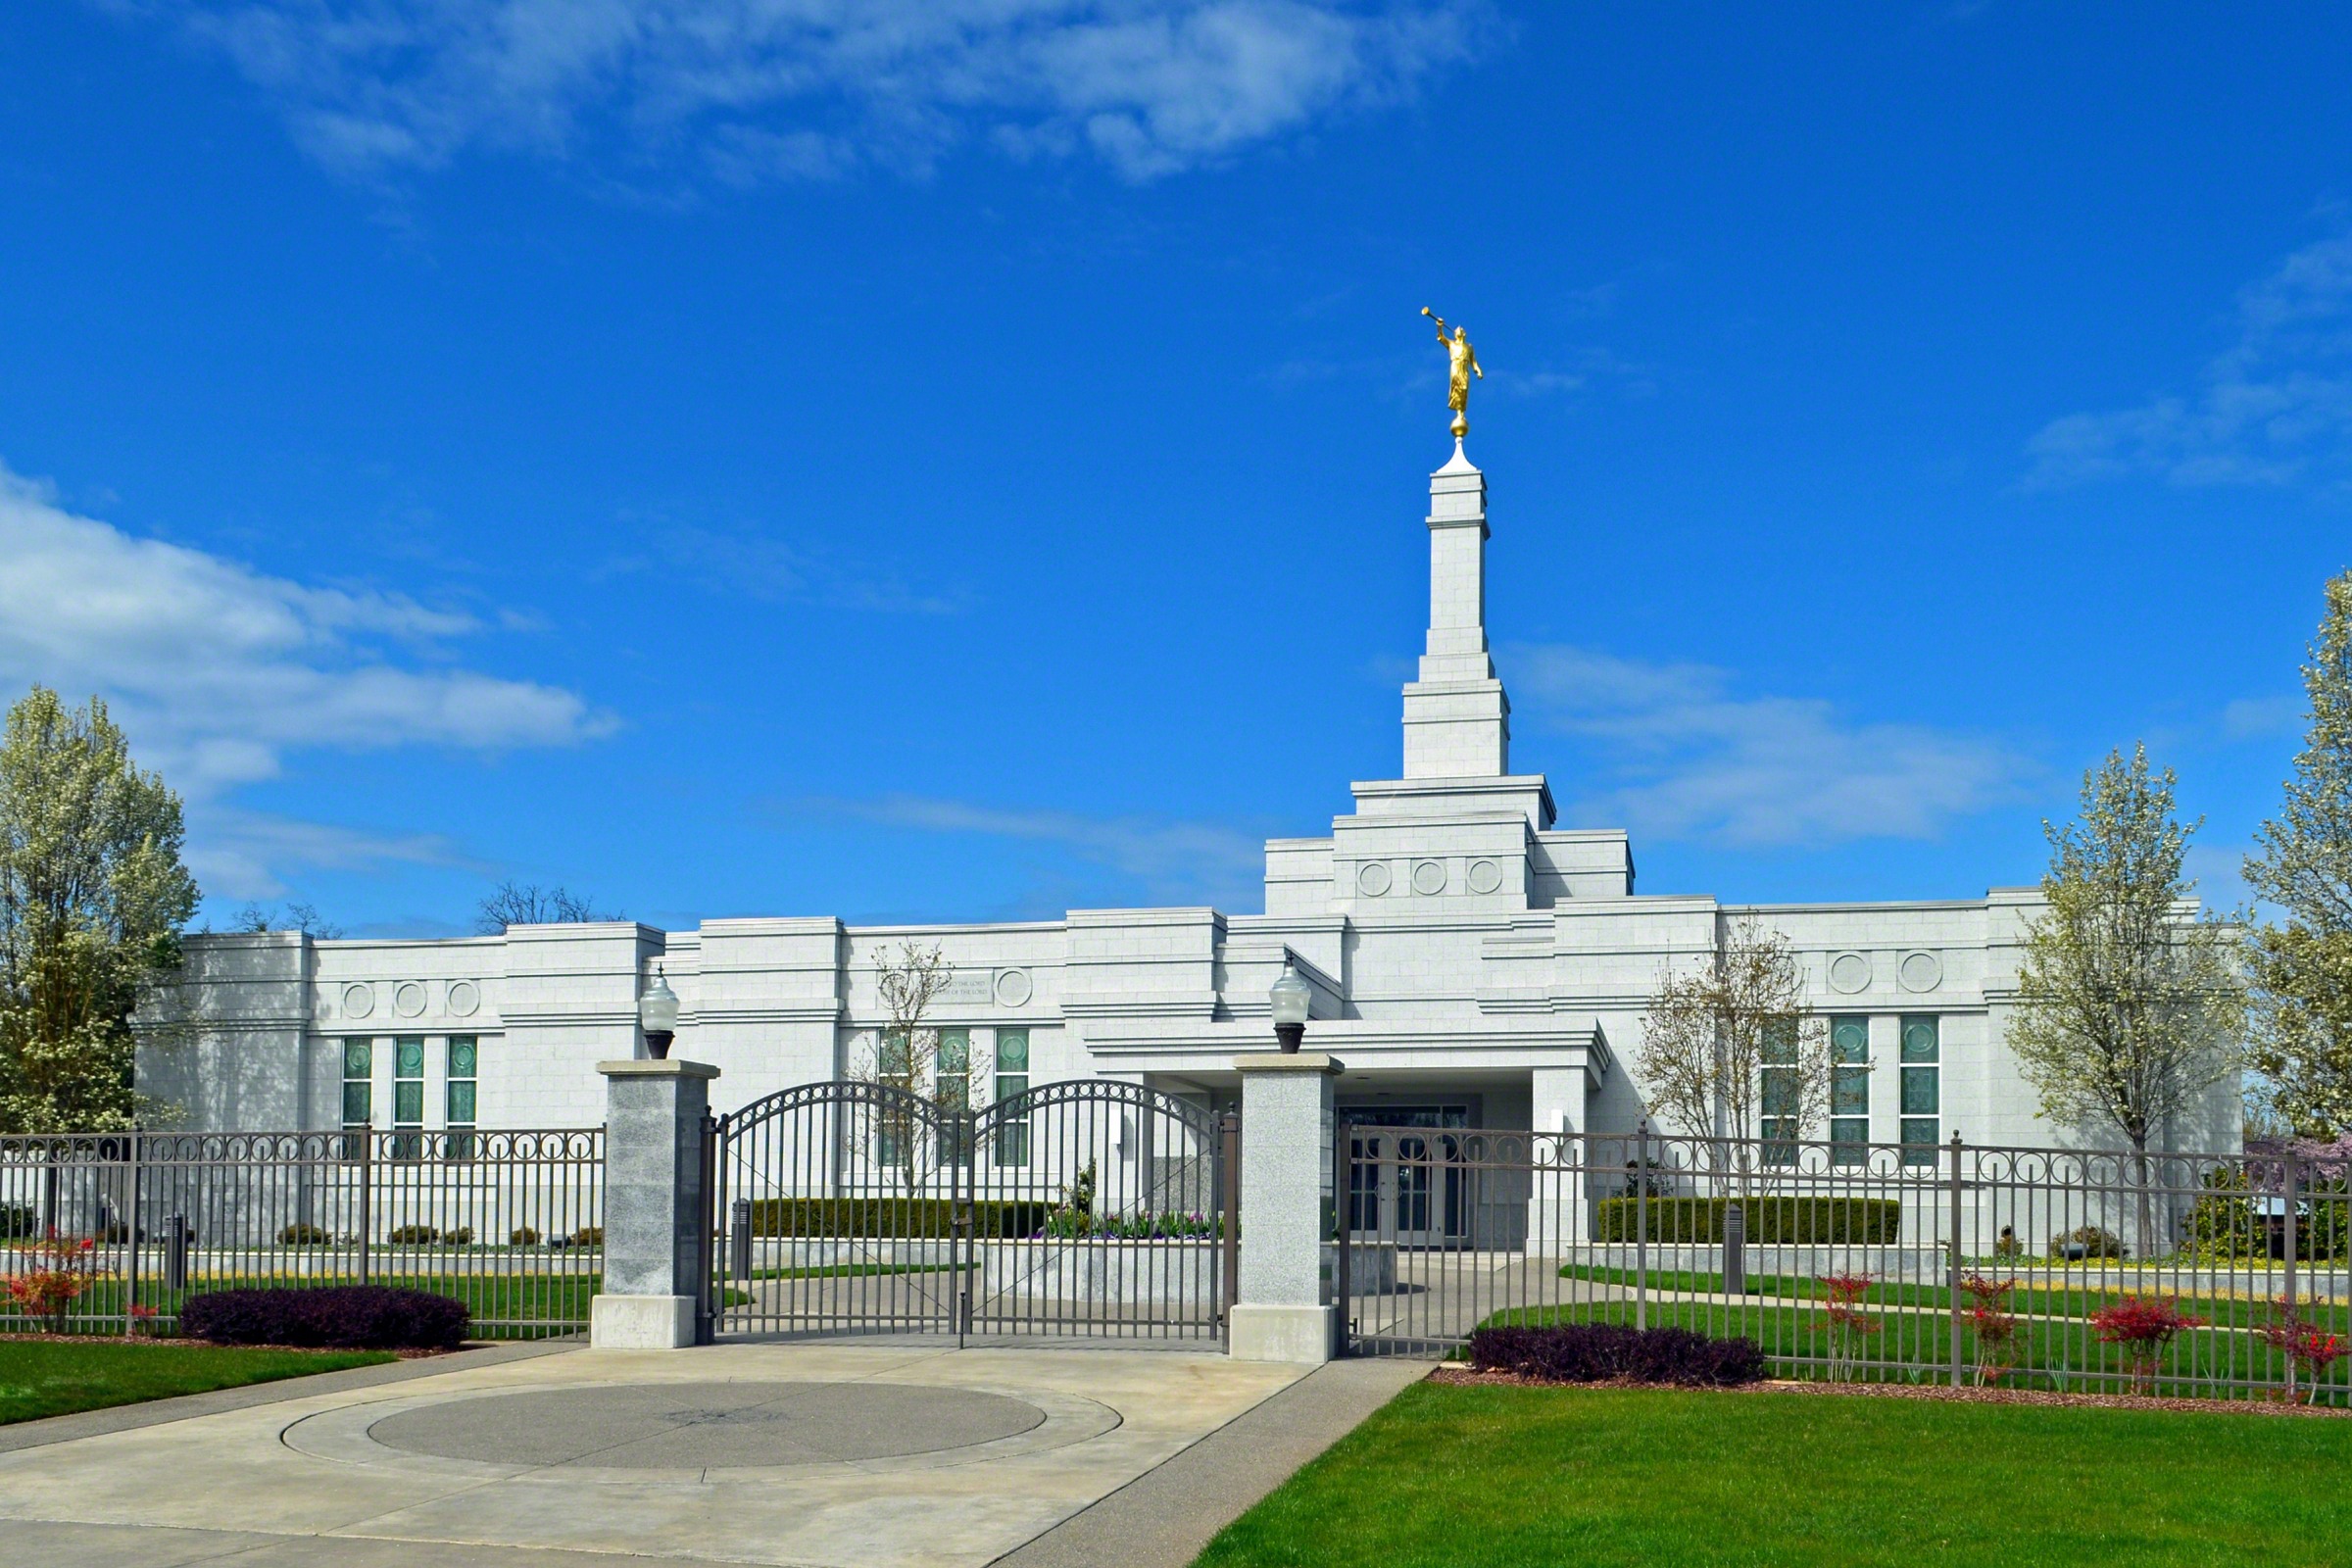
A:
(2145, 1217)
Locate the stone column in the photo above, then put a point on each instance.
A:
(1285, 1310)
(1555, 1206)
(652, 1204)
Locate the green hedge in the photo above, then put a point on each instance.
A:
(893, 1217)
(1698, 1221)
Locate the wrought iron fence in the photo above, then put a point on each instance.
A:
(110, 1233)
(1950, 1263)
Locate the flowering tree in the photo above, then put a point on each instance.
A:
(2142, 1325)
(2128, 1011)
(2302, 969)
(92, 898)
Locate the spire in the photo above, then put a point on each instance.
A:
(1456, 718)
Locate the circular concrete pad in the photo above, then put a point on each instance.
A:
(672, 1426)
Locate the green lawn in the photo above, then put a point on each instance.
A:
(2047, 1353)
(54, 1377)
(1455, 1477)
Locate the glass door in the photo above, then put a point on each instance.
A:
(1405, 1184)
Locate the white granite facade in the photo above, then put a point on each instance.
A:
(1463, 950)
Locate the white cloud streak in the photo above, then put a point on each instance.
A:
(217, 671)
(1687, 759)
(800, 89)
(745, 563)
(1185, 860)
(2275, 408)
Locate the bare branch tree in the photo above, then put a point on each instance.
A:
(909, 1054)
(1732, 1050)
(296, 917)
(529, 904)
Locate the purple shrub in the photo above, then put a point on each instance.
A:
(1606, 1353)
(357, 1318)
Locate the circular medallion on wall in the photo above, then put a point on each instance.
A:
(1849, 972)
(1372, 881)
(465, 997)
(408, 999)
(359, 1001)
(1484, 876)
(1014, 988)
(1920, 971)
(1429, 877)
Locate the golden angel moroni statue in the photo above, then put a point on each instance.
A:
(1462, 365)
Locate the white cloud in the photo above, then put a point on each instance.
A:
(242, 854)
(2275, 408)
(1182, 861)
(812, 88)
(217, 671)
(2245, 717)
(1687, 759)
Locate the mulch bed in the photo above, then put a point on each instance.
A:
(1467, 1377)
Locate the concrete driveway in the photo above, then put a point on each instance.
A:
(858, 1455)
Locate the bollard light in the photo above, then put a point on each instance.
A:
(658, 1015)
(1291, 997)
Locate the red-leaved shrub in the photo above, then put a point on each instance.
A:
(2143, 1325)
(1850, 1327)
(1987, 1313)
(2309, 1349)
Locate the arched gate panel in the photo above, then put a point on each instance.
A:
(1087, 1207)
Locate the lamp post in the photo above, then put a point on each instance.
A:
(658, 1015)
(1290, 995)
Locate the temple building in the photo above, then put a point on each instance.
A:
(1471, 964)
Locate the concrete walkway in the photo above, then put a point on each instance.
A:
(858, 1456)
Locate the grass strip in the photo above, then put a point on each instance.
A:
(1496, 1477)
(60, 1376)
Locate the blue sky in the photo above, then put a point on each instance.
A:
(966, 460)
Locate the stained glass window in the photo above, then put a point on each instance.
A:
(1849, 1090)
(358, 1083)
(458, 1098)
(1922, 1089)
(1013, 1078)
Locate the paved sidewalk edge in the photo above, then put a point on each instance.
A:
(188, 1407)
(1165, 1516)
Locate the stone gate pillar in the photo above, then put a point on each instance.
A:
(652, 1204)
(1285, 1311)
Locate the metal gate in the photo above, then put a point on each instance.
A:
(1089, 1208)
